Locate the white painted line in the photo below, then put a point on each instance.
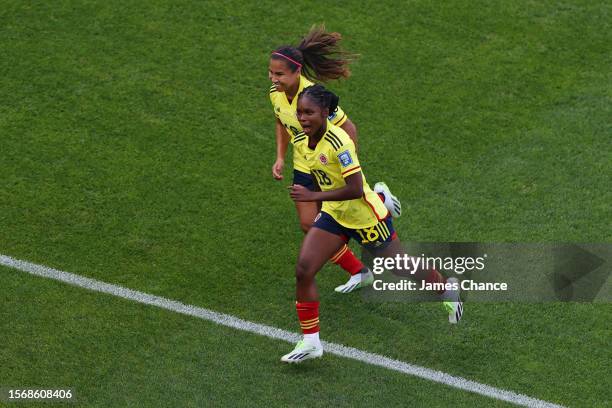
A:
(272, 332)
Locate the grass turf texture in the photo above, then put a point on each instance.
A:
(113, 352)
(137, 141)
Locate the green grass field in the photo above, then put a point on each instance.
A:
(136, 146)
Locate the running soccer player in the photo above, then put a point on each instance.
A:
(350, 210)
(317, 57)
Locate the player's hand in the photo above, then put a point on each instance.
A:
(300, 193)
(277, 169)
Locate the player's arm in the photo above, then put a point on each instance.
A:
(339, 118)
(352, 190)
(349, 127)
(282, 142)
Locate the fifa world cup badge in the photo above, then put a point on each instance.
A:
(345, 158)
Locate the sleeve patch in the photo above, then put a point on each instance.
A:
(345, 158)
(333, 115)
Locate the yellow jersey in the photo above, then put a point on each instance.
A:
(285, 112)
(333, 159)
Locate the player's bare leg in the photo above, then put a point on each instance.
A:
(317, 248)
(450, 297)
(395, 248)
(344, 257)
(307, 211)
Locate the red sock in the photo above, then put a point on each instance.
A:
(347, 260)
(308, 314)
(435, 277)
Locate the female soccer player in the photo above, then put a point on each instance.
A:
(350, 210)
(317, 57)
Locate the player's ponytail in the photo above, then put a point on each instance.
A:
(323, 57)
(322, 97)
(318, 54)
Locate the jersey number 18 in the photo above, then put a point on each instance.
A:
(322, 178)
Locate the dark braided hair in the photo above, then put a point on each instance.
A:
(319, 54)
(322, 97)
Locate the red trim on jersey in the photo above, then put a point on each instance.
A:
(373, 210)
(354, 168)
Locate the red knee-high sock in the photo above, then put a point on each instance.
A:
(347, 260)
(308, 314)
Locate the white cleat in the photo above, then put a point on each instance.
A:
(358, 281)
(452, 302)
(303, 351)
(392, 203)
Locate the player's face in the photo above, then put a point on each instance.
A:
(311, 116)
(281, 76)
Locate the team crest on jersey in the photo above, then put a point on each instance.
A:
(345, 158)
(323, 159)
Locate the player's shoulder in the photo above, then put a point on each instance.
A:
(305, 82)
(337, 138)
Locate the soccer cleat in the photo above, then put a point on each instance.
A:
(303, 351)
(358, 281)
(391, 202)
(452, 302)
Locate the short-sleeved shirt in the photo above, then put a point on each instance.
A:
(285, 112)
(331, 161)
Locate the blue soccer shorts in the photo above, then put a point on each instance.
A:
(375, 237)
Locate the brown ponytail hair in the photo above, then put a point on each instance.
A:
(318, 54)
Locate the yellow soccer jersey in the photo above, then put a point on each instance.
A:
(286, 113)
(332, 160)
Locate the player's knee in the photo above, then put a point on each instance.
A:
(303, 271)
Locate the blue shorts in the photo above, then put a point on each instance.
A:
(303, 179)
(375, 237)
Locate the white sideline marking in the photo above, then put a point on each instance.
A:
(272, 332)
